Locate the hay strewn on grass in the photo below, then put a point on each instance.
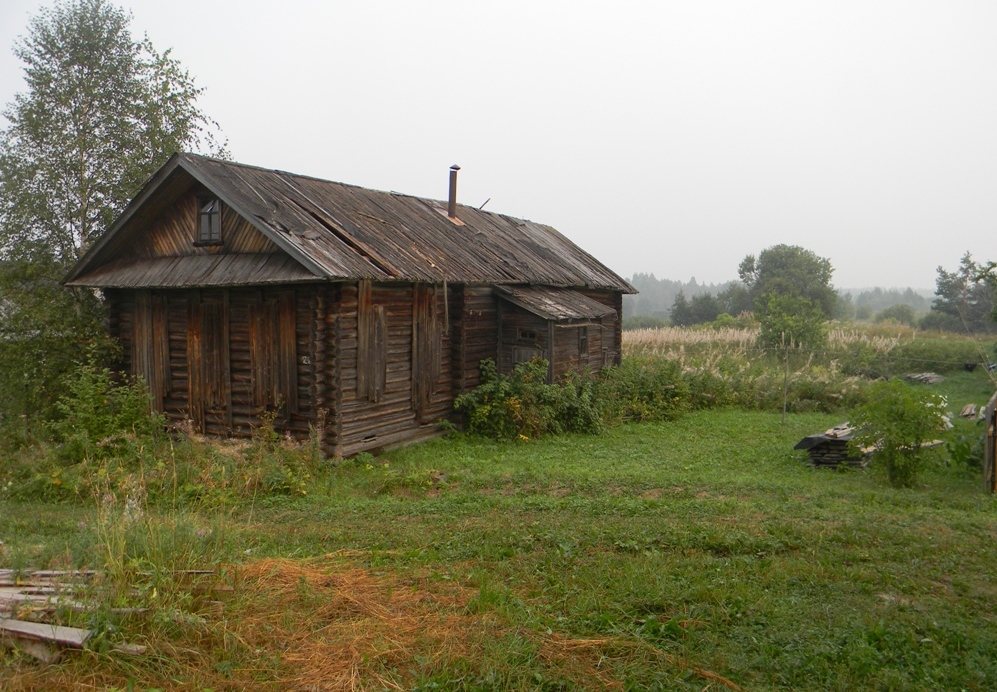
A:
(356, 626)
(327, 624)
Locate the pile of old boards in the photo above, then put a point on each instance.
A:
(924, 377)
(30, 600)
(971, 411)
(830, 448)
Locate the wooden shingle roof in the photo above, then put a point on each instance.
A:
(336, 231)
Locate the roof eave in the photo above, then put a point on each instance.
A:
(152, 185)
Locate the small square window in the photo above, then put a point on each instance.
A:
(209, 222)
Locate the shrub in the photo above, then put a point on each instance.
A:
(939, 354)
(725, 321)
(943, 322)
(523, 405)
(967, 449)
(98, 416)
(640, 389)
(898, 419)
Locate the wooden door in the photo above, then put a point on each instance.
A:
(426, 348)
(151, 345)
(273, 353)
(208, 366)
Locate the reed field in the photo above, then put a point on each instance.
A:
(844, 342)
(726, 366)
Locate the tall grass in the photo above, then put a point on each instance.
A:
(882, 338)
(727, 367)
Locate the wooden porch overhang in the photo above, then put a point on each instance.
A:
(563, 306)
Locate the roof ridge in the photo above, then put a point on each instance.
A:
(393, 193)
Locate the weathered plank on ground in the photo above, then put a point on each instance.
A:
(72, 637)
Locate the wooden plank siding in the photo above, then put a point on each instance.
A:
(611, 338)
(173, 232)
(569, 354)
(221, 357)
(479, 327)
(295, 351)
(523, 336)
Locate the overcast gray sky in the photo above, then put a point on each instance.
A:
(664, 137)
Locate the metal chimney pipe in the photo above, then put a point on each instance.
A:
(452, 206)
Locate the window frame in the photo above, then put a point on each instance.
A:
(212, 238)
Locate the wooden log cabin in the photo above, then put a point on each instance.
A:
(237, 290)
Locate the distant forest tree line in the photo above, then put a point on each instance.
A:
(964, 300)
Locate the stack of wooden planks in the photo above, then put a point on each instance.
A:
(29, 601)
(830, 448)
(969, 411)
(924, 377)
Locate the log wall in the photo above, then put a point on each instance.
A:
(366, 365)
(521, 337)
(230, 355)
(611, 338)
(381, 398)
(479, 328)
(573, 352)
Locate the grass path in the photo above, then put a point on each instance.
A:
(650, 556)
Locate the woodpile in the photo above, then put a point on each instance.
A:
(969, 411)
(833, 453)
(30, 600)
(35, 596)
(924, 377)
(830, 448)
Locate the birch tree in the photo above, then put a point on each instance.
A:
(100, 113)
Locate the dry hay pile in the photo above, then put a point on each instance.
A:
(325, 624)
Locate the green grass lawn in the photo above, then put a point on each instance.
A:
(675, 551)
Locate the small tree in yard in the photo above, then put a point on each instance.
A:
(789, 320)
(898, 420)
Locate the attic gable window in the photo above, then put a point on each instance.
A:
(209, 221)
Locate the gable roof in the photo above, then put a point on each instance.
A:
(336, 231)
